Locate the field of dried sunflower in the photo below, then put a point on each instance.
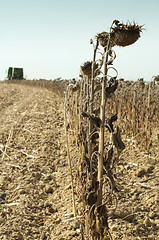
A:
(97, 110)
(91, 156)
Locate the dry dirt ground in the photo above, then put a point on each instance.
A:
(35, 187)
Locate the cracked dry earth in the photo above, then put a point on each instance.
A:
(35, 187)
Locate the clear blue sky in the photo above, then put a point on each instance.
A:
(50, 39)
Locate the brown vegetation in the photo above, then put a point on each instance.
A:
(111, 127)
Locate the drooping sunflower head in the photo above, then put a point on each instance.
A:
(125, 34)
(103, 38)
(86, 68)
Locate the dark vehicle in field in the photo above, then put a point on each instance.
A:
(14, 73)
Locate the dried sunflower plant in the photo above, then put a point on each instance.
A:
(95, 133)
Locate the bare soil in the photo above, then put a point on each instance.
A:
(35, 186)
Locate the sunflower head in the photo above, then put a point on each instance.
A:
(103, 38)
(86, 68)
(124, 34)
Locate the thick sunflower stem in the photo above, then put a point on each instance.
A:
(91, 103)
(101, 137)
(101, 132)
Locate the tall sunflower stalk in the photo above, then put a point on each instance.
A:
(95, 182)
(120, 35)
